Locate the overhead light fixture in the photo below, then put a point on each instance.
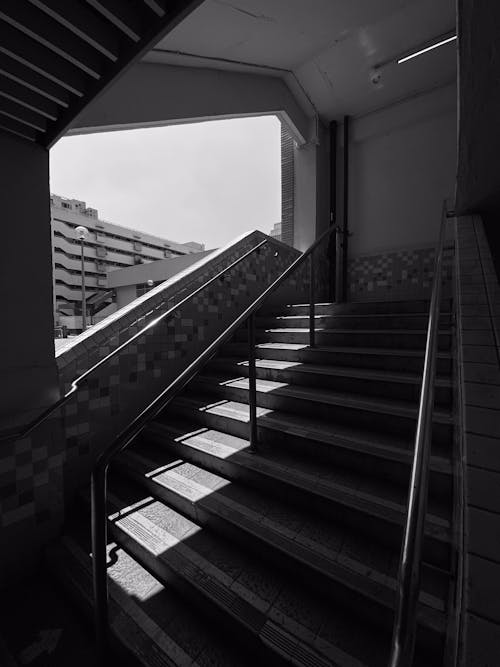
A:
(427, 48)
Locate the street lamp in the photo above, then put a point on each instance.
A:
(82, 234)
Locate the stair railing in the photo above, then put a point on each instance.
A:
(405, 620)
(130, 433)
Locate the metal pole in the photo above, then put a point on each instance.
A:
(84, 300)
(99, 561)
(345, 221)
(311, 302)
(332, 241)
(252, 382)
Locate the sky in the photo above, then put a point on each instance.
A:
(207, 182)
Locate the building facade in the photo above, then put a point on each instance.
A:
(107, 248)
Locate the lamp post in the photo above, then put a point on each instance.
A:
(82, 234)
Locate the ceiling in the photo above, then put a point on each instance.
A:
(327, 48)
(56, 56)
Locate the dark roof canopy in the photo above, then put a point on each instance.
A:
(56, 56)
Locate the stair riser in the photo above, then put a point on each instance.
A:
(440, 484)
(346, 322)
(340, 414)
(365, 307)
(379, 529)
(167, 573)
(389, 389)
(386, 362)
(376, 611)
(393, 340)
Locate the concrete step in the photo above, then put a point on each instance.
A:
(311, 440)
(400, 339)
(385, 321)
(398, 385)
(151, 624)
(274, 619)
(412, 361)
(382, 415)
(358, 307)
(350, 499)
(329, 560)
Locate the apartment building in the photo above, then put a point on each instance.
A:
(108, 247)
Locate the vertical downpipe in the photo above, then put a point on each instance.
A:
(312, 299)
(252, 383)
(332, 255)
(345, 222)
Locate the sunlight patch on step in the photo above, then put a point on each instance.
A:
(158, 471)
(294, 330)
(198, 431)
(326, 303)
(233, 410)
(264, 386)
(282, 346)
(297, 317)
(206, 440)
(149, 535)
(186, 485)
(273, 364)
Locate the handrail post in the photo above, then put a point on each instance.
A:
(311, 302)
(99, 560)
(252, 382)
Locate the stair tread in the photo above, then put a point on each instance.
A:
(352, 331)
(341, 349)
(387, 444)
(352, 315)
(149, 618)
(354, 488)
(252, 592)
(331, 370)
(320, 395)
(334, 551)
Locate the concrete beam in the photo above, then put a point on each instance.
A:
(155, 94)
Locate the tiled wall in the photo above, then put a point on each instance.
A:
(287, 185)
(40, 474)
(479, 333)
(395, 276)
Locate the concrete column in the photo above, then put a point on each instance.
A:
(28, 377)
(312, 189)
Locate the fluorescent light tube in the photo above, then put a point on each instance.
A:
(428, 48)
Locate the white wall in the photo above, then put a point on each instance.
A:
(402, 166)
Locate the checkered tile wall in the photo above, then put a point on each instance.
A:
(399, 275)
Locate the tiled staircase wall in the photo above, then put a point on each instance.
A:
(397, 275)
(121, 389)
(479, 349)
(39, 474)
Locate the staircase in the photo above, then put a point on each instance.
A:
(286, 555)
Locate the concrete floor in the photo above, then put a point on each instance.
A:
(41, 628)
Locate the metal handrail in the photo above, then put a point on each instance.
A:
(405, 621)
(128, 434)
(75, 385)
